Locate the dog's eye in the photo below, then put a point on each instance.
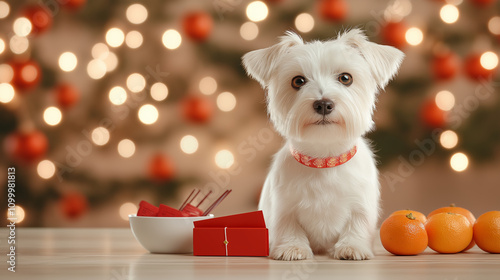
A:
(345, 79)
(298, 82)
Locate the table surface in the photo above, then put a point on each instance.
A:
(114, 254)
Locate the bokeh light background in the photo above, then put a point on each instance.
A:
(107, 103)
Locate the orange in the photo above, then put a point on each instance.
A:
(457, 210)
(448, 232)
(403, 235)
(418, 215)
(487, 232)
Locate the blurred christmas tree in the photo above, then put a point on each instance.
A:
(106, 98)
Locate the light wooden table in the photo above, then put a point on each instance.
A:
(114, 254)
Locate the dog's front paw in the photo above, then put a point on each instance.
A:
(352, 252)
(291, 253)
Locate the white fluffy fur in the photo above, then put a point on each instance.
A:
(331, 210)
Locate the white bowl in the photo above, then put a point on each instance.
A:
(169, 235)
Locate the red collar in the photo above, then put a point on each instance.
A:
(323, 162)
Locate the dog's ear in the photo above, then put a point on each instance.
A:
(260, 64)
(384, 61)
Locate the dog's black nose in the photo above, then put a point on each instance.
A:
(323, 106)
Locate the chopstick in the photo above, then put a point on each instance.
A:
(193, 197)
(221, 198)
(186, 201)
(203, 199)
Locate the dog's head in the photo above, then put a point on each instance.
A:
(323, 91)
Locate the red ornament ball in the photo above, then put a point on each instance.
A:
(74, 205)
(333, 10)
(198, 25)
(161, 168)
(67, 95)
(27, 74)
(197, 109)
(482, 3)
(393, 33)
(26, 147)
(445, 66)
(475, 70)
(72, 4)
(40, 17)
(431, 116)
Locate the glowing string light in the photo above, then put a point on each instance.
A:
(224, 159)
(117, 95)
(257, 11)
(111, 61)
(249, 31)
(126, 148)
(115, 37)
(18, 44)
(171, 39)
(46, 169)
(414, 36)
(100, 136)
(7, 92)
(189, 144)
(489, 60)
(96, 69)
(18, 214)
(100, 51)
(68, 61)
(494, 25)
(136, 82)
(52, 116)
(4, 9)
(208, 85)
(133, 39)
(459, 162)
(148, 114)
(449, 14)
(2, 45)
(448, 139)
(226, 101)
(6, 73)
(136, 13)
(159, 91)
(304, 22)
(445, 100)
(126, 209)
(22, 27)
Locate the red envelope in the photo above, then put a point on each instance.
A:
(191, 210)
(236, 235)
(167, 211)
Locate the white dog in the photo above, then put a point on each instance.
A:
(322, 192)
